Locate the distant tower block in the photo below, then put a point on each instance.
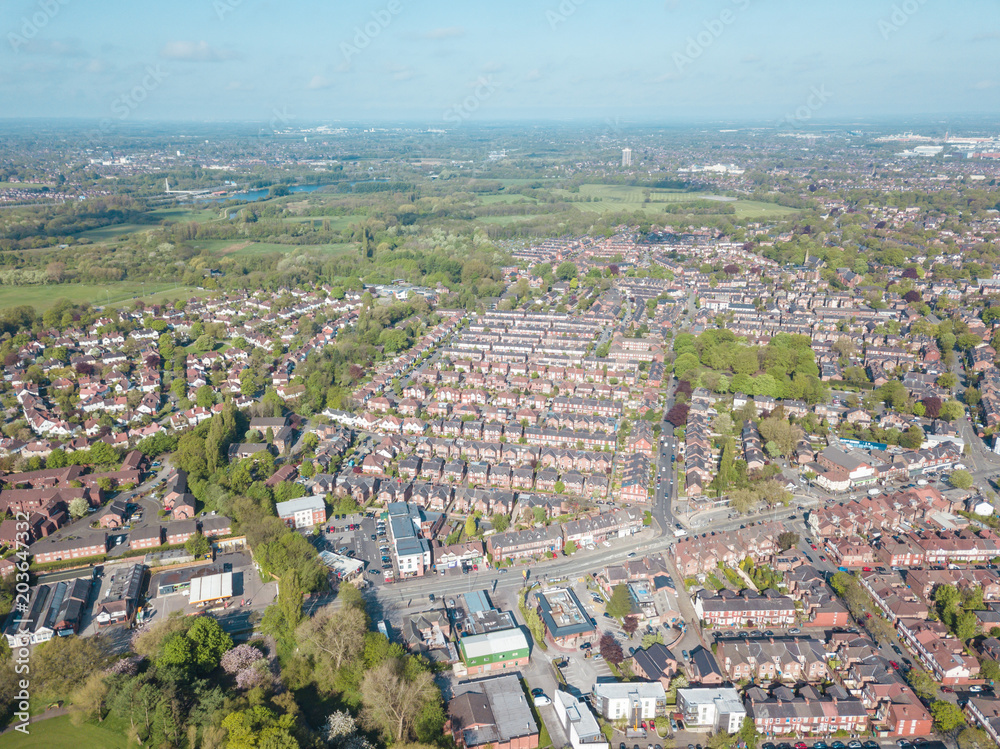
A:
(626, 157)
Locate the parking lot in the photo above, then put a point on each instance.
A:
(247, 588)
(582, 673)
(358, 543)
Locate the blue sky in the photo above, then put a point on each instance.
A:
(444, 63)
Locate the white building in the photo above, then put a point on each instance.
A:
(303, 512)
(626, 157)
(711, 709)
(634, 701)
(579, 723)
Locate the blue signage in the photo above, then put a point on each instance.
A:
(864, 444)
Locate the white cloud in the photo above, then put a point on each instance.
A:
(96, 66)
(666, 77)
(402, 72)
(54, 47)
(319, 82)
(195, 52)
(447, 32)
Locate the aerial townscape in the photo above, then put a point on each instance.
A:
(448, 432)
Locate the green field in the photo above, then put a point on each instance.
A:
(264, 248)
(185, 214)
(225, 247)
(106, 233)
(57, 733)
(513, 198)
(41, 297)
(505, 220)
(25, 185)
(337, 223)
(632, 198)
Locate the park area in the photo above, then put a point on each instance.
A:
(59, 732)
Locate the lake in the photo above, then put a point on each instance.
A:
(251, 195)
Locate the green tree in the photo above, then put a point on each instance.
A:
(471, 526)
(947, 380)
(787, 540)
(566, 271)
(975, 738)
(570, 547)
(197, 545)
(947, 716)
(966, 626)
(205, 396)
(259, 727)
(921, 682)
(960, 479)
(990, 670)
(63, 664)
(912, 438)
(197, 649)
(332, 639)
(620, 604)
(500, 522)
(952, 410)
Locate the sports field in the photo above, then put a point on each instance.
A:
(43, 296)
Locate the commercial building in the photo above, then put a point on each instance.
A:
(121, 599)
(494, 651)
(211, 589)
(493, 712)
(565, 619)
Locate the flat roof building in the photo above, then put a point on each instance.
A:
(494, 651)
(493, 712)
(211, 589)
(711, 709)
(565, 618)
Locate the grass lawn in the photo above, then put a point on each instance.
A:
(111, 232)
(513, 198)
(756, 209)
(504, 220)
(185, 214)
(627, 197)
(41, 296)
(264, 248)
(60, 732)
(337, 223)
(25, 185)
